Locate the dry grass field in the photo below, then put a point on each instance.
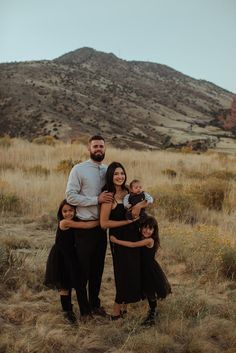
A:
(195, 204)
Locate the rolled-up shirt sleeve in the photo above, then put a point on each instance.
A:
(148, 197)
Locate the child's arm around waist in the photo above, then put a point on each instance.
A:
(130, 244)
(66, 224)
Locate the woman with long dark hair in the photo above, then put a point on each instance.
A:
(126, 261)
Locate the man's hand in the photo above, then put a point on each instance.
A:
(105, 197)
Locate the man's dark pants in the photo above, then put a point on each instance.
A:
(91, 250)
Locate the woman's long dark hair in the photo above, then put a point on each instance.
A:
(59, 212)
(109, 186)
(151, 222)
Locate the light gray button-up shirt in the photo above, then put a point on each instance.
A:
(85, 182)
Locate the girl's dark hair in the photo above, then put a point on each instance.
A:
(151, 222)
(59, 212)
(109, 185)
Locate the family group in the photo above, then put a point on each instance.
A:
(99, 202)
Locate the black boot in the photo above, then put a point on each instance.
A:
(150, 320)
(69, 315)
(67, 308)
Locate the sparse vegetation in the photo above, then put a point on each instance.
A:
(5, 141)
(169, 172)
(196, 214)
(45, 140)
(43, 95)
(9, 202)
(65, 165)
(38, 170)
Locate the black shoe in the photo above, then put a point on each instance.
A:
(70, 316)
(150, 320)
(123, 313)
(99, 312)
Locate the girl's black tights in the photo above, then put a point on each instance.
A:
(66, 302)
(152, 304)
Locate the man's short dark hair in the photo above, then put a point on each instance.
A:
(96, 137)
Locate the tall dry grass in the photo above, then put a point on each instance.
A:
(195, 203)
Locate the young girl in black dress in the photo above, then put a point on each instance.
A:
(62, 269)
(154, 282)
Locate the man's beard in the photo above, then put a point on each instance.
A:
(97, 157)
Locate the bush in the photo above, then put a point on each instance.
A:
(229, 262)
(14, 242)
(10, 202)
(4, 255)
(223, 174)
(6, 141)
(169, 173)
(45, 140)
(210, 194)
(178, 207)
(65, 165)
(194, 174)
(48, 221)
(38, 170)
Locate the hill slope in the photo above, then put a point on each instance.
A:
(138, 104)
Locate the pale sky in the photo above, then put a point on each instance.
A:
(196, 37)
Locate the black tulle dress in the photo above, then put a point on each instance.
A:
(154, 281)
(62, 268)
(126, 261)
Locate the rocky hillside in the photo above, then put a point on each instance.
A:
(132, 103)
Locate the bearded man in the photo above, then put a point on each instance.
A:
(83, 190)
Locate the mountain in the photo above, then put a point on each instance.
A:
(132, 103)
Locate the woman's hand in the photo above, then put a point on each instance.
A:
(133, 220)
(113, 239)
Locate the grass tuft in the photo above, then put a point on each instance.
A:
(10, 202)
(45, 140)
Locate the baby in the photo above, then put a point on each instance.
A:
(135, 196)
